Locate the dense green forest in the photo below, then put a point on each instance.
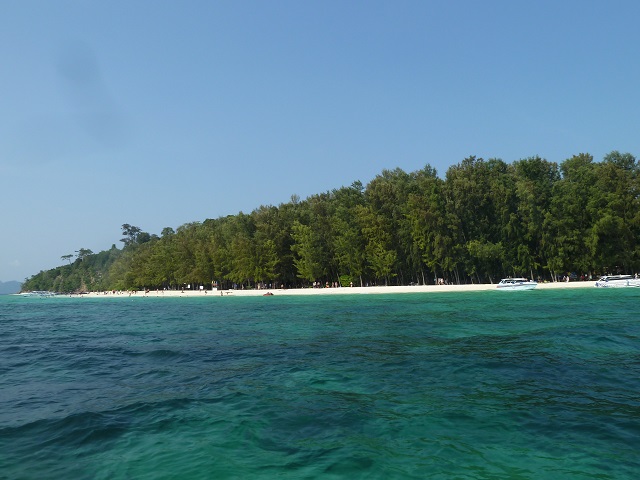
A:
(484, 220)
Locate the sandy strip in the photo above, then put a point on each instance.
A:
(330, 291)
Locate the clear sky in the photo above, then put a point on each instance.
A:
(159, 113)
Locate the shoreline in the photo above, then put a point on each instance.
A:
(326, 291)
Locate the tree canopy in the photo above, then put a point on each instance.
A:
(484, 220)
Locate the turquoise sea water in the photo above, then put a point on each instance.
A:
(540, 384)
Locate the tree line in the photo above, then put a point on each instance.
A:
(486, 219)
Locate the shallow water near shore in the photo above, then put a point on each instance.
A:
(539, 384)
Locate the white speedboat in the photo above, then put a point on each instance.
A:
(37, 293)
(609, 281)
(517, 284)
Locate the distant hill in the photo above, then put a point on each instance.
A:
(9, 287)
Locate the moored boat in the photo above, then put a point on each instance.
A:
(517, 284)
(37, 293)
(609, 281)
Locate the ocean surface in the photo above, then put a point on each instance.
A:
(477, 385)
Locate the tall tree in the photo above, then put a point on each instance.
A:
(426, 215)
(130, 234)
(613, 207)
(381, 256)
(348, 242)
(83, 253)
(534, 182)
(568, 223)
(307, 261)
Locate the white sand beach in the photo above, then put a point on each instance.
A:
(331, 291)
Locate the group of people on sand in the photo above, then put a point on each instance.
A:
(326, 285)
(572, 277)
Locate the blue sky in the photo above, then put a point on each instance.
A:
(160, 113)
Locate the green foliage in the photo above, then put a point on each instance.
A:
(308, 257)
(482, 221)
(88, 272)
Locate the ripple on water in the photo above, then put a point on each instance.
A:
(404, 386)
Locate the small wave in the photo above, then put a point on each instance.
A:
(70, 432)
